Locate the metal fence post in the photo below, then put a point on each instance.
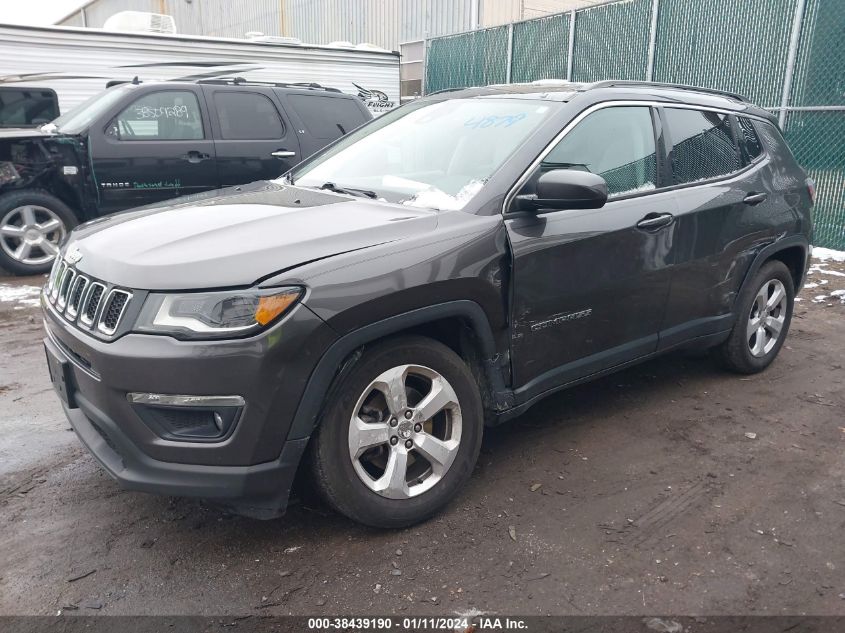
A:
(652, 39)
(510, 54)
(571, 45)
(426, 44)
(794, 40)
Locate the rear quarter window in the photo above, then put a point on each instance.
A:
(749, 142)
(703, 145)
(327, 118)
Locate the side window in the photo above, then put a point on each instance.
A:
(169, 115)
(27, 106)
(247, 116)
(749, 141)
(327, 118)
(703, 145)
(617, 143)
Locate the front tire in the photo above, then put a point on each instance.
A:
(32, 225)
(764, 312)
(400, 435)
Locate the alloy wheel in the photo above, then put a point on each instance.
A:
(767, 317)
(405, 431)
(31, 234)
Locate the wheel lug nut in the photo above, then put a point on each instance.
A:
(393, 421)
(394, 441)
(409, 444)
(417, 428)
(408, 414)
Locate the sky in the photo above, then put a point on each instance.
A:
(39, 12)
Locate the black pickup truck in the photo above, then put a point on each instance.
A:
(141, 143)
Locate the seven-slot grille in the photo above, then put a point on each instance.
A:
(87, 302)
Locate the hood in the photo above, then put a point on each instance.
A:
(236, 237)
(21, 132)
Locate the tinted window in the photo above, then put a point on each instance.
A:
(703, 146)
(615, 143)
(327, 118)
(749, 141)
(21, 107)
(247, 116)
(169, 115)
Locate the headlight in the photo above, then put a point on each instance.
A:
(203, 315)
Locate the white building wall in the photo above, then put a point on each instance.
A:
(386, 23)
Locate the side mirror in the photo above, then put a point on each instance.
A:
(565, 189)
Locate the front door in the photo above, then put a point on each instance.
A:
(590, 286)
(156, 148)
(254, 140)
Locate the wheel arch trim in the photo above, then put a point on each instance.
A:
(327, 368)
(766, 253)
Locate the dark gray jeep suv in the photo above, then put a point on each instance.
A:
(440, 269)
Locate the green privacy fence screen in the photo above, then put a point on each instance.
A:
(478, 58)
(786, 55)
(541, 47)
(612, 41)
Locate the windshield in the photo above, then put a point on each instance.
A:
(436, 155)
(78, 119)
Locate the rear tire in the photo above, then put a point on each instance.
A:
(32, 226)
(401, 434)
(764, 312)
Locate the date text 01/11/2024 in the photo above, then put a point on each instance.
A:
(459, 623)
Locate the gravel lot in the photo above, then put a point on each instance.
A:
(671, 487)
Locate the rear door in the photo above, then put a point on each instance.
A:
(590, 286)
(156, 147)
(724, 213)
(324, 117)
(253, 137)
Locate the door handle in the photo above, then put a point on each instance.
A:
(195, 157)
(754, 198)
(654, 221)
(282, 153)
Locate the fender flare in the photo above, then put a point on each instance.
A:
(313, 397)
(766, 253)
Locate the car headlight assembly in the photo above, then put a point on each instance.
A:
(211, 315)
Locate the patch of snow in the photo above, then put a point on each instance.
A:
(835, 273)
(398, 182)
(24, 296)
(433, 198)
(828, 253)
(648, 186)
(821, 268)
(811, 286)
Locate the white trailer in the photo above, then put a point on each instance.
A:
(78, 63)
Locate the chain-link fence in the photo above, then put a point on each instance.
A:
(785, 55)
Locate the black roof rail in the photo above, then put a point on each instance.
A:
(442, 90)
(117, 82)
(658, 84)
(240, 81)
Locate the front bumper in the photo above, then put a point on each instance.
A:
(259, 491)
(252, 469)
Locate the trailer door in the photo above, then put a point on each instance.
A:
(157, 147)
